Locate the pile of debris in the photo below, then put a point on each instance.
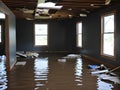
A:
(69, 56)
(72, 56)
(104, 73)
(27, 54)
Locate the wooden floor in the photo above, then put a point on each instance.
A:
(51, 72)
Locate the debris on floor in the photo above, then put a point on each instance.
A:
(104, 73)
(32, 54)
(108, 77)
(93, 66)
(72, 56)
(62, 60)
(27, 54)
(21, 54)
(98, 69)
(21, 63)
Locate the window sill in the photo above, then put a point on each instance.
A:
(113, 58)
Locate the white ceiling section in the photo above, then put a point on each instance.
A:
(49, 5)
(42, 10)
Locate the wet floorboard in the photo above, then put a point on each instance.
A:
(49, 73)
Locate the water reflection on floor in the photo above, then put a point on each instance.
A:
(78, 72)
(48, 73)
(104, 85)
(41, 72)
(3, 75)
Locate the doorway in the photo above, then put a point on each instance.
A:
(2, 34)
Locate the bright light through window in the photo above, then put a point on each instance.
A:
(79, 34)
(2, 15)
(41, 33)
(108, 35)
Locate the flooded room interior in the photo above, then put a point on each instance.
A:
(59, 45)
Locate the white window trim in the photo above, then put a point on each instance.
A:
(112, 57)
(41, 35)
(78, 34)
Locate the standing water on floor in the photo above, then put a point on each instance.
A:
(41, 72)
(78, 71)
(55, 73)
(3, 76)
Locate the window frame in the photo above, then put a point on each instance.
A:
(41, 34)
(111, 57)
(78, 34)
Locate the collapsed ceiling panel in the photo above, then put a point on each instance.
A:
(41, 9)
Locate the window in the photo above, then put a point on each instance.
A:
(108, 35)
(0, 34)
(2, 15)
(79, 34)
(41, 34)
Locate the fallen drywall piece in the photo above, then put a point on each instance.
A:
(72, 56)
(21, 63)
(99, 71)
(21, 54)
(114, 79)
(27, 54)
(32, 54)
(62, 60)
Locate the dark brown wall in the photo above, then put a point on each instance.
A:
(61, 35)
(92, 35)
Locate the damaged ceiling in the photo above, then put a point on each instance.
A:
(34, 9)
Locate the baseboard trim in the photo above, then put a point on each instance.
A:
(12, 67)
(56, 52)
(98, 61)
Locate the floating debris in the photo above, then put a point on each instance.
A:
(72, 56)
(104, 74)
(62, 60)
(21, 63)
(27, 54)
(108, 77)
